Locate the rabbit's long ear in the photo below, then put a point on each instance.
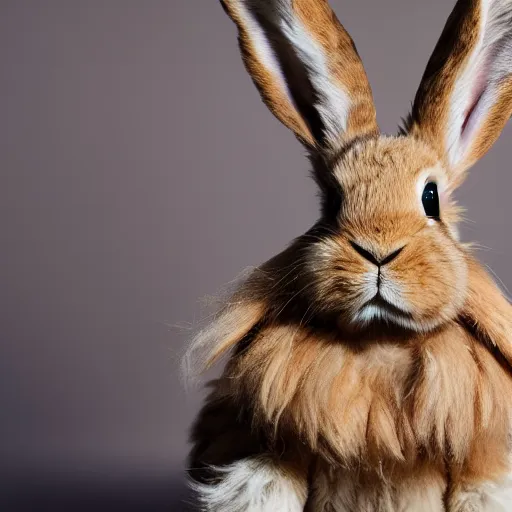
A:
(465, 97)
(306, 69)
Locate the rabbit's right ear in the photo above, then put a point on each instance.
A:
(465, 97)
(306, 69)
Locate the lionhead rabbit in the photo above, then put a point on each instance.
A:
(368, 364)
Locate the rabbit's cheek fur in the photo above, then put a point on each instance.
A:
(431, 274)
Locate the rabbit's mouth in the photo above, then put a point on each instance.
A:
(378, 309)
(381, 302)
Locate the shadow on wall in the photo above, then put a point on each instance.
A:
(170, 496)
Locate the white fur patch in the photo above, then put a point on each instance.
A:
(341, 492)
(251, 485)
(392, 293)
(372, 313)
(333, 102)
(262, 47)
(489, 497)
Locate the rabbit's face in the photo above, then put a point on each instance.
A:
(386, 247)
(390, 253)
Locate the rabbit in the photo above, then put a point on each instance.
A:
(368, 365)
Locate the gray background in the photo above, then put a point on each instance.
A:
(140, 172)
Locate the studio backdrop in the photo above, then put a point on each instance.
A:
(140, 172)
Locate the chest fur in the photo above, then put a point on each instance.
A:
(439, 400)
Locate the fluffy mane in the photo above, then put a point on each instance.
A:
(360, 399)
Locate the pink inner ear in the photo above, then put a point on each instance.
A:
(471, 110)
(477, 91)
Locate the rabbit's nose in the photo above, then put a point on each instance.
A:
(372, 258)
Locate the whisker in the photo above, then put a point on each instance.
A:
(498, 279)
(293, 297)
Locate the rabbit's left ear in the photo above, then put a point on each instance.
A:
(465, 97)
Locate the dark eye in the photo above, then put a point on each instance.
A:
(430, 200)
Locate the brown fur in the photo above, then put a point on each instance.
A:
(385, 404)
(381, 399)
(344, 64)
(457, 42)
(377, 406)
(495, 122)
(430, 115)
(272, 94)
(436, 397)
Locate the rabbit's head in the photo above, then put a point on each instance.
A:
(386, 246)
